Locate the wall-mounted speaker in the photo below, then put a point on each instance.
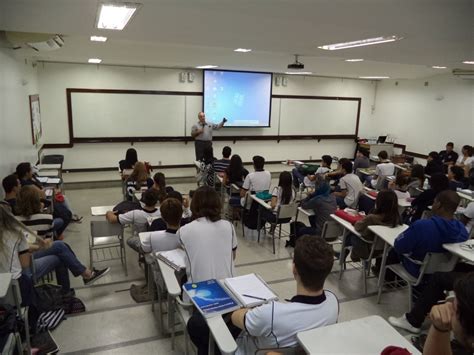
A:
(284, 81)
(191, 77)
(277, 80)
(182, 77)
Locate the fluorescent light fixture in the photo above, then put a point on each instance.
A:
(207, 66)
(438, 67)
(115, 16)
(468, 62)
(360, 43)
(354, 60)
(298, 72)
(374, 77)
(95, 60)
(242, 50)
(98, 39)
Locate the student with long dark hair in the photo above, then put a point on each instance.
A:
(385, 214)
(417, 179)
(283, 194)
(235, 172)
(434, 164)
(131, 157)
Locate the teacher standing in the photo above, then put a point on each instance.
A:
(202, 134)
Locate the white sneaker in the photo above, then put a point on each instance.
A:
(403, 323)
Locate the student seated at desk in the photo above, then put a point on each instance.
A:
(138, 179)
(11, 186)
(448, 156)
(55, 255)
(206, 168)
(336, 174)
(259, 180)
(455, 317)
(235, 173)
(434, 164)
(456, 178)
(221, 165)
(438, 183)
(400, 186)
(326, 161)
(384, 214)
(61, 206)
(211, 247)
(159, 184)
(137, 218)
(362, 159)
(171, 212)
(159, 224)
(467, 217)
(131, 157)
(429, 235)
(466, 160)
(383, 169)
(275, 324)
(283, 194)
(29, 209)
(322, 203)
(350, 188)
(416, 180)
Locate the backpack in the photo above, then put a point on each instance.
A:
(126, 206)
(49, 297)
(73, 305)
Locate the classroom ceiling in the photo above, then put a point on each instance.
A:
(187, 33)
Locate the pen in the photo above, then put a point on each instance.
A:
(255, 297)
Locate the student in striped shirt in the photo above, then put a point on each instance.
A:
(56, 255)
(222, 164)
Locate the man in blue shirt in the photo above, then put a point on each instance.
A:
(429, 235)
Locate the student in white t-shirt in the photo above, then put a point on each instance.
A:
(350, 187)
(467, 217)
(275, 324)
(171, 212)
(326, 161)
(383, 169)
(400, 186)
(259, 180)
(466, 160)
(210, 244)
(138, 218)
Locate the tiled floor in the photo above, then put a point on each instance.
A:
(115, 324)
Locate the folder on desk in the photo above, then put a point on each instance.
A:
(250, 290)
(210, 298)
(175, 258)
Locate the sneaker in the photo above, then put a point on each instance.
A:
(403, 323)
(76, 219)
(96, 274)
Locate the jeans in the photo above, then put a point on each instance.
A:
(434, 292)
(298, 177)
(58, 223)
(60, 257)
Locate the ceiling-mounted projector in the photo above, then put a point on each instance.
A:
(296, 64)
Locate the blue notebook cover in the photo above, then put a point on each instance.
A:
(210, 298)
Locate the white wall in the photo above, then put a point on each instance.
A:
(17, 81)
(423, 117)
(54, 78)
